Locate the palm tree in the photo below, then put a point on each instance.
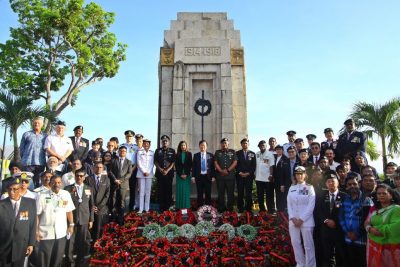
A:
(382, 120)
(16, 111)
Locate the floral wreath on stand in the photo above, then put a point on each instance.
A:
(188, 231)
(180, 219)
(262, 244)
(152, 231)
(247, 231)
(229, 229)
(160, 244)
(170, 231)
(240, 244)
(149, 217)
(162, 259)
(204, 228)
(230, 217)
(167, 217)
(201, 243)
(208, 209)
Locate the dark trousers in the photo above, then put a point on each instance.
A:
(51, 252)
(281, 198)
(266, 189)
(333, 247)
(99, 221)
(117, 202)
(7, 262)
(203, 185)
(225, 184)
(244, 188)
(36, 170)
(78, 245)
(164, 191)
(132, 189)
(356, 255)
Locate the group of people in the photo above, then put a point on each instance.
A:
(333, 198)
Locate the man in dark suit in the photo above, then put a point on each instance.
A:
(100, 185)
(315, 155)
(121, 171)
(82, 197)
(80, 144)
(245, 169)
(351, 142)
(203, 172)
(17, 225)
(282, 180)
(327, 221)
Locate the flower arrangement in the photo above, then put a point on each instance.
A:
(247, 231)
(180, 244)
(100, 259)
(262, 244)
(160, 244)
(254, 259)
(204, 228)
(240, 244)
(230, 218)
(182, 259)
(133, 218)
(188, 231)
(184, 216)
(140, 245)
(170, 231)
(149, 217)
(229, 229)
(197, 259)
(121, 259)
(220, 245)
(207, 209)
(152, 231)
(162, 259)
(201, 243)
(263, 219)
(167, 217)
(245, 218)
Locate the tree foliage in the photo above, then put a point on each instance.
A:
(16, 111)
(59, 46)
(382, 120)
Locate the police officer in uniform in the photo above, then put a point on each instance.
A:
(291, 137)
(301, 202)
(164, 160)
(329, 143)
(225, 161)
(310, 140)
(245, 169)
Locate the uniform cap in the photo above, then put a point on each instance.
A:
(391, 164)
(146, 141)
(129, 133)
(11, 181)
(311, 136)
(61, 123)
(299, 169)
(79, 127)
(331, 175)
(165, 137)
(278, 147)
(289, 148)
(348, 121)
(327, 130)
(298, 140)
(15, 164)
(291, 132)
(303, 150)
(224, 140)
(138, 136)
(23, 175)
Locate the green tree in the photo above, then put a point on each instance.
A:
(16, 111)
(382, 120)
(59, 46)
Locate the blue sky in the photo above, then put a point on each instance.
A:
(307, 62)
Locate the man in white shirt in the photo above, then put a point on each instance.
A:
(330, 155)
(265, 162)
(54, 210)
(145, 173)
(59, 145)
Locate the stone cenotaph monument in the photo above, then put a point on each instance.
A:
(202, 89)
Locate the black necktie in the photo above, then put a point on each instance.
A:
(332, 203)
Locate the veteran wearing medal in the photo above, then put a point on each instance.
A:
(17, 225)
(225, 161)
(54, 210)
(82, 197)
(327, 220)
(351, 142)
(164, 160)
(301, 202)
(80, 144)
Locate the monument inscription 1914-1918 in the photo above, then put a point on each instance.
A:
(202, 93)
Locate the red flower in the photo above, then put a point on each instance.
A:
(121, 259)
(239, 244)
(245, 218)
(160, 245)
(150, 217)
(162, 259)
(181, 219)
(167, 217)
(230, 217)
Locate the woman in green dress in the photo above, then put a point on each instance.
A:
(183, 167)
(383, 227)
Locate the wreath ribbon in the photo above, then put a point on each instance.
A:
(279, 257)
(141, 261)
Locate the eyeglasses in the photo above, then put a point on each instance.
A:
(13, 189)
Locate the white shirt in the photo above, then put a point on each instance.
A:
(52, 211)
(145, 163)
(301, 202)
(15, 204)
(203, 156)
(263, 163)
(28, 194)
(334, 165)
(58, 144)
(68, 178)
